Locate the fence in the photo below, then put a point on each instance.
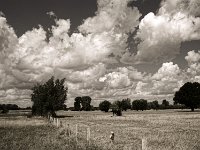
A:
(73, 132)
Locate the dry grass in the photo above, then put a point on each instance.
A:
(17, 132)
(164, 130)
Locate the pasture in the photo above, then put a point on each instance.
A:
(162, 130)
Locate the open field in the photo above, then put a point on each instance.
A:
(17, 132)
(163, 130)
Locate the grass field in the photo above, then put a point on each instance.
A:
(17, 132)
(163, 130)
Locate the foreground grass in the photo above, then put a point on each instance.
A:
(22, 133)
(163, 130)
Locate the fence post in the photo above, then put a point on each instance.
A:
(76, 133)
(68, 130)
(61, 124)
(88, 136)
(144, 144)
(56, 122)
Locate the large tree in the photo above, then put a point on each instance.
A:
(189, 95)
(104, 106)
(48, 97)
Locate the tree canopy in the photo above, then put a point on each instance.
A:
(117, 108)
(154, 105)
(126, 104)
(139, 104)
(48, 97)
(189, 95)
(104, 106)
(83, 103)
(77, 104)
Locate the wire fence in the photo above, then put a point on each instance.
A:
(81, 133)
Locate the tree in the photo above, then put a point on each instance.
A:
(139, 104)
(9, 106)
(189, 95)
(77, 104)
(104, 106)
(117, 108)
(154, 105)
(85, 102)
(126, 104)
(48, 97)
(165, 104)
(4, 108)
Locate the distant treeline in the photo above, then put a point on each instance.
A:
(9, 106)
(124, 105)
(6, 107)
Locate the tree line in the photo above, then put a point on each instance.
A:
(6, 107)
(140, 104)
(50, 96)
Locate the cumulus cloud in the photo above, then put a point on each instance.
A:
(168, 79)
(193, 70)
(33, 58)
(161, 34)
(116, 80)
(112, 15)
(92, 60)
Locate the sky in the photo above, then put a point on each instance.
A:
(106, 49)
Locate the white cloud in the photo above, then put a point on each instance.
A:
(193, 57)
(167, 80)
(89, 59)
(161, 34)
(116, 80)
(193, 70)
(168, 72)
(112, 15)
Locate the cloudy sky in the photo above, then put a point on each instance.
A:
(106, 49)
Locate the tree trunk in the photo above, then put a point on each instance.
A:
(192, 109)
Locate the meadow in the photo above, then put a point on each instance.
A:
(162, 130)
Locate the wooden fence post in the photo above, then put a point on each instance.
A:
(88, 136)
(56, 122)
(76, 133)
(144, 144)
(68, 129)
